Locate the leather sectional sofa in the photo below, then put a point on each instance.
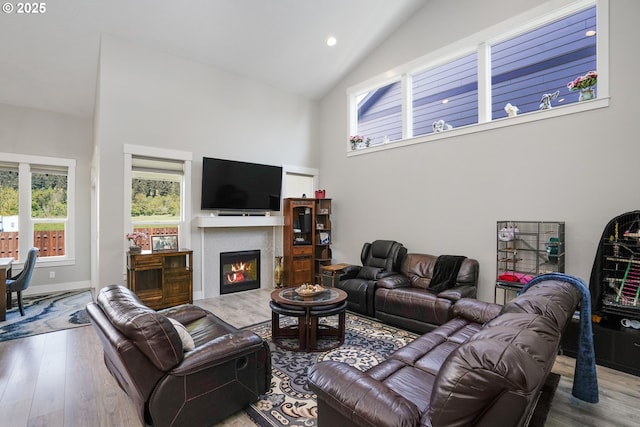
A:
(413, 300)
(485, 367)
(181, 366)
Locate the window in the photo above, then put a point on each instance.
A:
(541, 61)
(157, 193)
(36, 207)
(448, 92)
(469, 84)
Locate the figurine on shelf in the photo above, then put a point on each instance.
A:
(545, 102)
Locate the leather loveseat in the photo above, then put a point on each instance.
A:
(485, 367)
(422, 295)
(180, 366)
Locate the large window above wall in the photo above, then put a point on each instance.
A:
(473, 84)
(37, 208)
(543, 60)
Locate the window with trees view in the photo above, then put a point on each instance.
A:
(35, 207)
(156, 197)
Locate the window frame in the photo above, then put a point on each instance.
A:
(185, 189)
(481, 43)
(25, 220)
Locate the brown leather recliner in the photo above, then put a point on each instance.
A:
(226, 370)
(411, 300)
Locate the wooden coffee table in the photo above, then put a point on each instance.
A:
(308, 310)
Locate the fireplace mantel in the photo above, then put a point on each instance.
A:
(209, 221)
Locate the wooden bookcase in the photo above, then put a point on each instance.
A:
(161, 279)
(322, 255)
(299, 241)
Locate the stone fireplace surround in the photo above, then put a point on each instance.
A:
(236, 233)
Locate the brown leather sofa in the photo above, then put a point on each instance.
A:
(485, 367)
(224, 370)
(411, 300)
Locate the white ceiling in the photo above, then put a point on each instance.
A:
(50, 61)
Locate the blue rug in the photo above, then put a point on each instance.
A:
(46, 313)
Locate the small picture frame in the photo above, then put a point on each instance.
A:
(164, 243)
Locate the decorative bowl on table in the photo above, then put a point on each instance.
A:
(306, 290)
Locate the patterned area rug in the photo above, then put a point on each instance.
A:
(290, 403)
(46, 313)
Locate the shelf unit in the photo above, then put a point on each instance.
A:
(322, 255)
(526, 249)
(299, 241)
(161, 279)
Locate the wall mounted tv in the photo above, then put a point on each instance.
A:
(229, 185)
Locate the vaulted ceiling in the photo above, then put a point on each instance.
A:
(50, 60)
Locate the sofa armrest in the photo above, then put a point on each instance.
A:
(458, 292)
(476, 310)
(349, 272)
(359, 397)
(218, 351)
(394, 281)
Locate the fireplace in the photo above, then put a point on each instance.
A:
(239, 271)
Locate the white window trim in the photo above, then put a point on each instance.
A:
(25, 162)
(480, 42)
(185, 207)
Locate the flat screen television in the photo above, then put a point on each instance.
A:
(229, 185)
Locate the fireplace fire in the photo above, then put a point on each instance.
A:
(239, 271)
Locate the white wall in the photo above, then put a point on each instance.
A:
(43, 133)
(150, 98)
(444, 197)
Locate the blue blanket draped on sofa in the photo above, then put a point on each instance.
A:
(585, 381)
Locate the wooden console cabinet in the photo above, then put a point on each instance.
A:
(161, 279)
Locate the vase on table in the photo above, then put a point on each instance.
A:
(135, 249)
(277, 272)
(587, 94)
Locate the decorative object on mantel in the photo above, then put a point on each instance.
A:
(359, 141)
(545, 101)
(441, 126)
(277, 272)
(321, 194)
(136, 238)
(511, 110)
(585, 85)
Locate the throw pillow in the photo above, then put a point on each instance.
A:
(185, 337)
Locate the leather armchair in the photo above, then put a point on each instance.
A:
(192, 373)
(379, 259)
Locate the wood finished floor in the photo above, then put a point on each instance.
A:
(59, 379)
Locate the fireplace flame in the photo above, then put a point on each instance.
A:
(238, 272)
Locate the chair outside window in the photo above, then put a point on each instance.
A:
(20, 282)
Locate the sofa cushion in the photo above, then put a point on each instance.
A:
(187, 340)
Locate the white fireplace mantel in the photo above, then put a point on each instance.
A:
(235, 233)
(239, 221)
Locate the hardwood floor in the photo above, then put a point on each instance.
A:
(59, 379)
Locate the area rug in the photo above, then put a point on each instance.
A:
(368, 342)
(46, 313)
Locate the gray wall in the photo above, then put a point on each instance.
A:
(445, 196)
(43, 133)
(158, 100)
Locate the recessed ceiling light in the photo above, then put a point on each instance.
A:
(444, 101)
(590, 33)
(331, 41)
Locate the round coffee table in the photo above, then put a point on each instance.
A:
(308, 310)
